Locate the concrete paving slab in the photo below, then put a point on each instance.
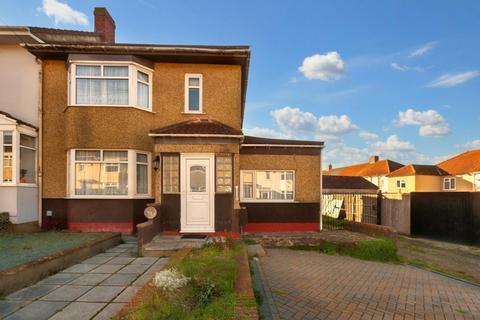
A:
(145, 260)
(60, 278)
(66, 293)
(119, 280)
(256, 250)
(98, 259)
(107, 254)
(38, 310)
(78, 311)
(90, 279)
(81, 268)
(107, 268)
(7, 307)
(101, 294)
(127, 294)
(109, 311)
(135, 269)
(32, 293)
(116, 250)
(129, 254)
(142, 280)
(121, 260)
(128, 245)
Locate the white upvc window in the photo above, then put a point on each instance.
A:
(401, 184)
(193, 93)
(112, 84)
(449, 184)
(267, 185)
(476, 181)
(109, 173)
(18, 156)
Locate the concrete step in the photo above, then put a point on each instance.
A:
(165, 246)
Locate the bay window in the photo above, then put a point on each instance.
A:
(267, 186)
(109, 173)
(18, 156)
(110, 84)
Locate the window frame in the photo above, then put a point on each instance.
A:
(450, 179)
(132, 77)
(188, 76)
(17, 130)
(401, 184)
(254, 189)
(164, 155)
(132, 174)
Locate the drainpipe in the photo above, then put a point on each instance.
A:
(40, 144)
(321, 190)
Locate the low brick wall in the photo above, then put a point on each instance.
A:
(373, 230)
(28, 273)
(147, 230)
(245, 306)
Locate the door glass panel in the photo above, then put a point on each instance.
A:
(198, 178)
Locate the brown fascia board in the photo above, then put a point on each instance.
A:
(206, 54)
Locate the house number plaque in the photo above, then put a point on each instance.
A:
(150, 212)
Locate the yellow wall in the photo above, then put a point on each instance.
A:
(392, 184)
(429, 183)
(307, 171)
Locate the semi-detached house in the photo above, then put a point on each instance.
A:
(126, 125)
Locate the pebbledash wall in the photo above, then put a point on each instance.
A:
(301, 214)
(91, 127)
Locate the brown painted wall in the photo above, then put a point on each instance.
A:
(223, 212)
(282, 212)
(170, 212)
(307, 171)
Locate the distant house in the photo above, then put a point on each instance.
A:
(374, 170)
(347, 184)
(459, 173)
(416, 177)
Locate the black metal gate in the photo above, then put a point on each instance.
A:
(340, 207)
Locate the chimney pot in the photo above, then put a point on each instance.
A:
(373, 159)
(104, 25)
(330, 167)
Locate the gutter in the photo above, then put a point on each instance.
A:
(317, 146)
(40, 145)
(195, 135)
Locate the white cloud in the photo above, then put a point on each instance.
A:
(266, 133)
(335, 125)
(423, 49)
(405, 68)
(326, 67)
(393, 143)
(367, 135)
(293, 120)
(474, 144)
(431, 123)
(451, 80)
(340, 154)
(63, 13)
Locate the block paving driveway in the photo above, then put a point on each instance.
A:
(310, 285)
(97, 288)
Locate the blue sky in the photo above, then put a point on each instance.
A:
(395, 78)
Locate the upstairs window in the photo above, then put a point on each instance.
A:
(110, 85)
(449, 184)
(193, 93)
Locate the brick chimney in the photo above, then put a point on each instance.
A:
(104, 24)
(373, 159)
(330, 167)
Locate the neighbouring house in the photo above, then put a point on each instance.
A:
(459, 173)
(375, 171)
(126, 125)
(416, 178)
(349, 197)
(463, 172)
(20, 109)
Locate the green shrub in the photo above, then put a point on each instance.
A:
(375, 250)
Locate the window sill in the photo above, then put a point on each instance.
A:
(191, 112)
(23, 185)
(109, 197)
(267, 201)
(110, 106)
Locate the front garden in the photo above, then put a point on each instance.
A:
(199, 285)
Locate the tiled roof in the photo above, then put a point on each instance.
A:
(463, 163)
(378, 168)
(269, 141)
(347, 182)
(19, 121)
(197, 126)
(418, 169)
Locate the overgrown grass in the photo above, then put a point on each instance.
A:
(382, 250)
(436, 268)
(210, 293)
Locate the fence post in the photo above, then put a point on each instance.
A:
(379, 207)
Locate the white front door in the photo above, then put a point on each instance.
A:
(197, 189)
